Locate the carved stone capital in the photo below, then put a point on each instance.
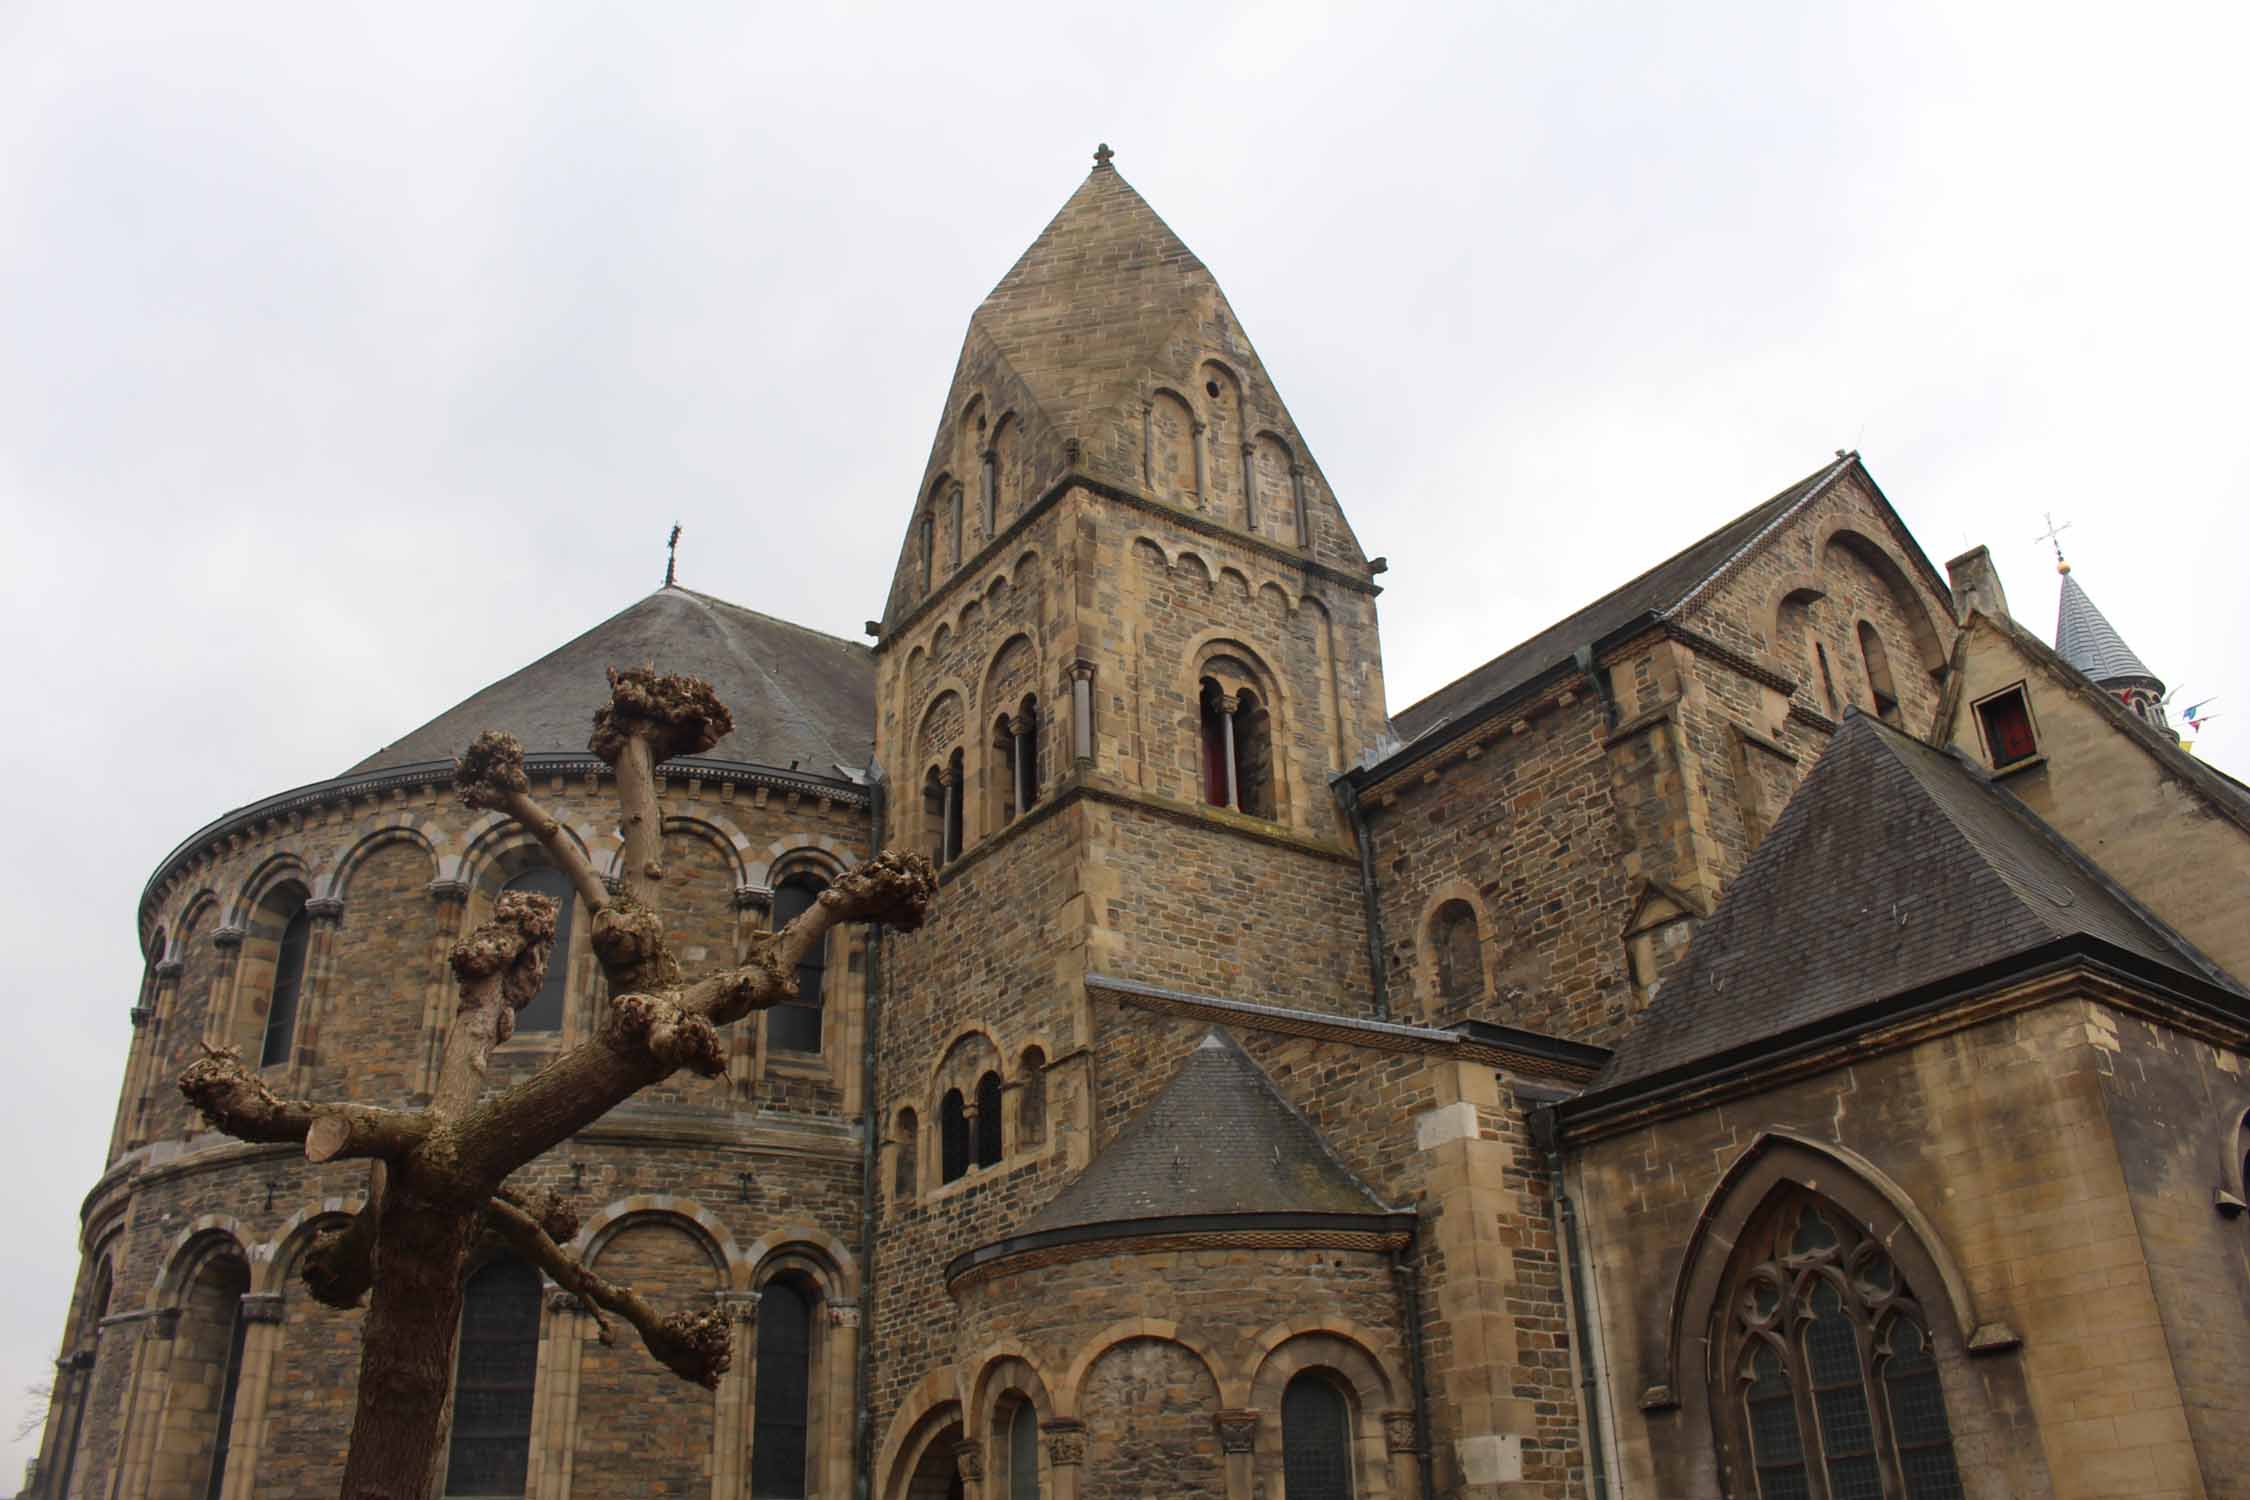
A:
(229, 936)
(738, 1307)
(1019, 723)
(169, 970)
(968, 1457)
(843, 1314)
(1066, 1440)
(141, 1015)
(1398, 1431)
(753, 898)
(325, 908)
(1238, 1429)
(263, 1307)
(1081, 671)
(164, 1323)
(449, 892)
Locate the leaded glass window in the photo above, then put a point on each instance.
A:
(1023, 1452)
(545, 1012)
(1316, 1432)
(777, 1440)
(288, 980)
(794, 1025)
(1834, 1389)
(494, 1373)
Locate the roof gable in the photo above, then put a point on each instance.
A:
(1218, 1139)
(1894, 866)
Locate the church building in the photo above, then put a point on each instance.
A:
(1777, 1032)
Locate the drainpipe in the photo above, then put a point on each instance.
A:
(1378, 977)
(1406, 1276)
(871, 1171)
(1548, 1138)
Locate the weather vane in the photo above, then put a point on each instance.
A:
(672, 556)
(2053, 537)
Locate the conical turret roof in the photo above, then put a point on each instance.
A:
(799, 698)
(2085, 638)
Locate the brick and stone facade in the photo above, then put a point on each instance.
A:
(1127, 690)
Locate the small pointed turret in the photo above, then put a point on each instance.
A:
(2085, 638)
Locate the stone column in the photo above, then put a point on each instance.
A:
(840, 1370)
(1019, 728)
(263, 1314)
(991, 460)
(449, 903)
(1082, 713)
(1202, 466)
(218, 1006)
(148, 1031)
(1297, 498)
(1066, 1455)
(1228, 704)
(1406, 1458)
(968, 1457)
(1238, 1441)
(1249, 487)
(950, 835)
(554, 1396)
(1148, 445)
(327, 914)
(144, 1402)
(733, 1408)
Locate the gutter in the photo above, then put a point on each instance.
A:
(871, 1171)
(1406, 1275)
(1378, 976)
(1548, 1140)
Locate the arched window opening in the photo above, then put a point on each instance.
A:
(545, 1012)
(1878, 664)
(953, 828)
(906, 1164)
(1316, 1433)
(933, 815)
(1031, 1098)
(1253, 748)
(1023, 1451)
(1005, 776)
(1460, 957)
(953, 1136)
(288, 982)
(89, 1344)
(1027, 754)
(953, 526)
(1819, 1323)
(794, 1025)
(494, 1372)
(988, 1120)
(777, 1439)
(929, 548)
(204, 1375)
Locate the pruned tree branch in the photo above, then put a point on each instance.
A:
(651, 717)
(499, 967)
(489, 776)
(694, 1346)
(339, 1266)
(239, 1103)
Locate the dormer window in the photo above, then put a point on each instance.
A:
(2004, 719)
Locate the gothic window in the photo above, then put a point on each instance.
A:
(494, 1372)
(288, 980)
(1316, 1429)
(1878, 664)
(1831, 1386)
(1023, 1452)
(545, 1012)
(988, 1120)
(906, 1166)
(953, 1136)
(777, 1440)
(794, 1025)
(1031, 1098)
(1460, 960)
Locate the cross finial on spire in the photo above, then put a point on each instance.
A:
(2053, 537)
(672, 556)
(1102, 154)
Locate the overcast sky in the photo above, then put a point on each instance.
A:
(350, 362)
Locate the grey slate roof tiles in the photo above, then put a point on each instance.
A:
(2085, 638)
(1894, 866)
(1218, 1139)
(797, 696)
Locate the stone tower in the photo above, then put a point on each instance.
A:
(1129, 641)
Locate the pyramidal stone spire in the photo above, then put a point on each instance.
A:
(2085, 638)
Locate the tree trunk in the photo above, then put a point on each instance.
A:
(406, 1350)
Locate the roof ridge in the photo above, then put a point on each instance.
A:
(710, 598)
(1822, 479)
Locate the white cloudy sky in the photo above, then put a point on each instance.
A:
(351, 357)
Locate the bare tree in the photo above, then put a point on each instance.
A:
(438, 1175)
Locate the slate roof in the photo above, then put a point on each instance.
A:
(798, 697)
(1669, 584)
(2085, 638)
(1894, 866)
(1219, 1139)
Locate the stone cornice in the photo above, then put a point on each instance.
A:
(211, 839)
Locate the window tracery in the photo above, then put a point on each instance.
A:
(1830, 1390)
